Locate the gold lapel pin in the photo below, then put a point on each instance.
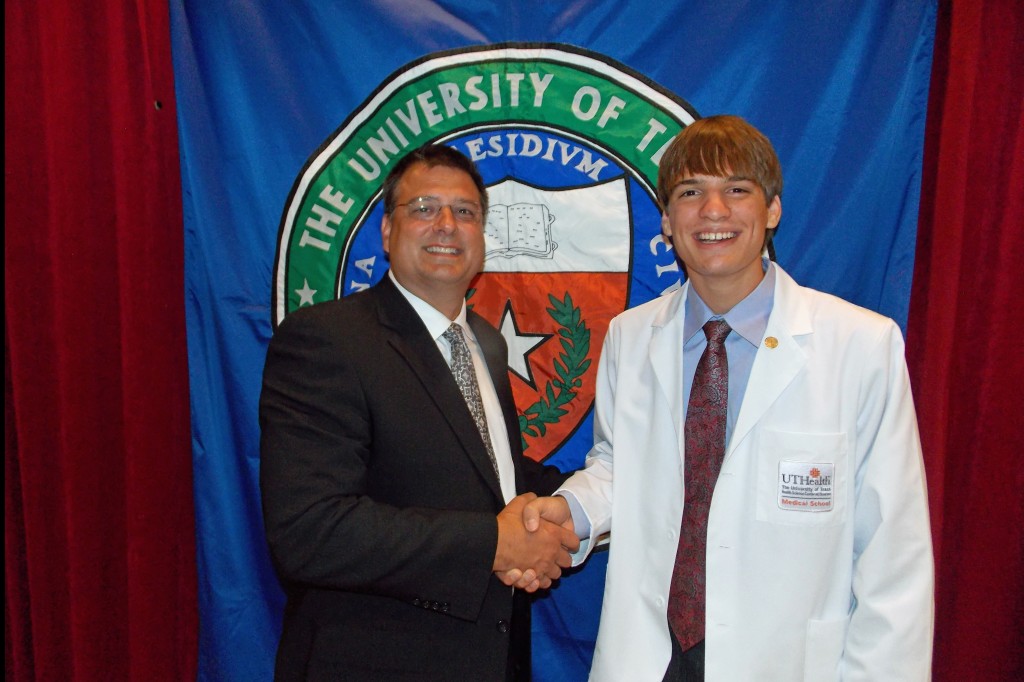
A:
(771, 342)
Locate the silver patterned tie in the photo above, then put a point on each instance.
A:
(465, 377)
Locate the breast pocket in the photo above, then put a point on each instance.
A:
(802, 478)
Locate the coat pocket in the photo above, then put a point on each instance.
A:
(802, 478)
(824, 649)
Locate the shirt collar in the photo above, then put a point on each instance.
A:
(748, 318)
(436, 322)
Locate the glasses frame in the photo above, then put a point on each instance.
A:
(427, 201)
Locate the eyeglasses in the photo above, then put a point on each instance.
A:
(427, 209)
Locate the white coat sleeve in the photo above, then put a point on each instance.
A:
(591, 487)
(891, 625)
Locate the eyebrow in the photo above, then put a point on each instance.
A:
(697, 181)
(437, 198)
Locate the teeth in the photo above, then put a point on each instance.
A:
(715, 236)
(449, 250)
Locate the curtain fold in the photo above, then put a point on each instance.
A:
(99, 531)
(964, 337)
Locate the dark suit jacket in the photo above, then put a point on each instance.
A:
(379, 499)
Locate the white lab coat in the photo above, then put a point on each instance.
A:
(842, 594)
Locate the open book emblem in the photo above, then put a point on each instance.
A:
(592, 225)
(520, 229)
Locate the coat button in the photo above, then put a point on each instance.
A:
(444, 607)
(416, 601)
(502, 626)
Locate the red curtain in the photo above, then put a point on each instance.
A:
(98, 523)
(966, 338)
(99, 532)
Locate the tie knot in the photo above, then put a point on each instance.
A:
(453, 334)
(716, 331)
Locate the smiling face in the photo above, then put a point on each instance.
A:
(434, 259)
(718, 226)
(719, 184)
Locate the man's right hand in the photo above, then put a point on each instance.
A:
(531, 559)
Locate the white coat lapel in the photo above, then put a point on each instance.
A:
(666, 356)
(774, 367)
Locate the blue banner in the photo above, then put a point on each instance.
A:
(291, 113)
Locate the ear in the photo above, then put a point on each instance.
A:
(666, 226)
(774, 212)
(385, 233)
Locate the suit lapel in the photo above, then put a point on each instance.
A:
(774, 368)
(411, 341)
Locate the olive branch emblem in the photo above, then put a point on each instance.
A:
(571, 365)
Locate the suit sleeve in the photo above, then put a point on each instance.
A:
(890, 631)
(540, 478)
(322, 528)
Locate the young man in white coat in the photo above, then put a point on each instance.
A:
(818, 561)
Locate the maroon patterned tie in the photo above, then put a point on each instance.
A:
(704, 450)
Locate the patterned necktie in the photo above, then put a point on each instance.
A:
(704, 451)
(465, 377)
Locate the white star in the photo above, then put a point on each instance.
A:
(519, 345)
(305, 293)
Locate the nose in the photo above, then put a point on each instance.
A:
(714, 206)
(445, 219)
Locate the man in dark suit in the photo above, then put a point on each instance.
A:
(392, 513)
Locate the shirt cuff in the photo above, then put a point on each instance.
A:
(580, 521)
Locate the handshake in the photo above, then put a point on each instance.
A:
(535, 541)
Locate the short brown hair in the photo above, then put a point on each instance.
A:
(720, 146)
(433, 155)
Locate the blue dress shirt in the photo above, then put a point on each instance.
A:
(748, 320)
